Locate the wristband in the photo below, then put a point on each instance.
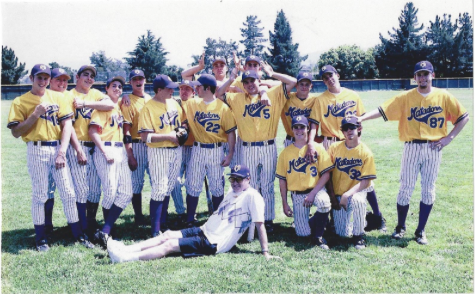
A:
(127, 139)
(149, 138)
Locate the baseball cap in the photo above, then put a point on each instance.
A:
(57, 72)
(163, 81)
(423, 65)
(117, 78)
(303, 75)
(350, 120)
(87, 67)
(299, 120)
(327, 68)
(240, 171)
(253, 58)
(206, 80)
(219, 59)
(190, 84)
(40, 68)
(136, 73)
(250, 74)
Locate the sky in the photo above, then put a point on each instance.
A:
(69, 32)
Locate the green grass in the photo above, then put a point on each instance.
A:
(446, 265)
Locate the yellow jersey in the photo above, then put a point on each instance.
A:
(293, 107)
(110, 123)
(132, 111)
(82, 116)
(191, 138)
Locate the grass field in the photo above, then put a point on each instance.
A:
(446, 265)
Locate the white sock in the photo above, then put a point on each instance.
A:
(118, 256)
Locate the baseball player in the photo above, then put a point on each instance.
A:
(136, 149)
(105, 130)
(254, 63)
(158, 119)
(43, 119)
(306, 183)
(257, 127)
(242, 206)
(422, 113)
(212, 124)
(219, 69)
(87, 185)
(350, 181)
(329, 110)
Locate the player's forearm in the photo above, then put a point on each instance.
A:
(103, 105)
(289, 81)
(283, 190)
(95, 137)
(155, 138)
(128, 146)
(74, 140)
(370, 115)
(313, 132)
(458, 128)
(357, 188)
(222, 90)
(24, 126)
(66, 130)
(231, 142)
(322, 181)
(261, 231)
(188, 74)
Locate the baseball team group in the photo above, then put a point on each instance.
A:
(86, 143)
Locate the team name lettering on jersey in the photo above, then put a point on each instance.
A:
(169, 118)
(294, 111)
(84, 112)
(340, 109)
(300, 166)
(424, 113)
(51, 114)
(347, 166)
(117, 119)
(206, 120)
(255, 110)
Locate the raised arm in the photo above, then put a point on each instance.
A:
(289, 81)
(222, 90)
(188, 74)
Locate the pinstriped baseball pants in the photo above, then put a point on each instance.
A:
(138, 176)
(262, 162)
(301, 213)
(41, 164)
(116, 178)
(418, 158)
(164, 165)
(205, 162)
(87, 184)
(176, 193)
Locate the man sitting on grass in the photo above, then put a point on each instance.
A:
(241, 206)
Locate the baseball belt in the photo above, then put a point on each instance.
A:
(115, 144)
(302, 192)
(208, 145)
(46, 143)
(419, 141)
(262, 143)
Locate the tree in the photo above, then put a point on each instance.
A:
(395, 57)
(11, 71)
(108, 67)
(253, 37)
(217, 48)
(68, 70)
(149, 56)
(464, 44)
(174, 72)
(284, 56)
(351, 62)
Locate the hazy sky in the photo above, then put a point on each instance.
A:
(68, 32)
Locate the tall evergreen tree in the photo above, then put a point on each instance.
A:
(351, 62)
(149, 56)
(440, 37)
(284, 56)
(253, 37)
(217, 48)
(11, 71)
(395, 57)
(464, 44)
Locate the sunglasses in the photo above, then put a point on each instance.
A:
(299, 127)
(348, 127)
(238, 180)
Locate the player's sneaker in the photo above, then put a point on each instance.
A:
(359, 242)
(101, 238)
(382, 228)
(269, 226)
(399, 232)
(420, 237)
(320, 242)
(84, 241)
(42, 246)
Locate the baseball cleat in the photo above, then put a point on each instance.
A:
(359, 242)
(84, 241)
(42, 246)
(320, 242)
(420, 237)
(382, 228)
(399, 232)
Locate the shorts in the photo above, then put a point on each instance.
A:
(194, 243)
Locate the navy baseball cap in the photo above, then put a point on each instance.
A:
(57, 72)
(87, 67)
(190, 84)
(240, 171)
(206, 80)
(303, 75)
(136, 73)
(423, 65)
(327, 68)
(117, 78)
(253, 58)
(219, 59)
(250, 74)
(40, 68)
(299, 120)
(163, 81)
(350, 120)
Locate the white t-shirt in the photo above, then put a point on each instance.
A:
(235, 213)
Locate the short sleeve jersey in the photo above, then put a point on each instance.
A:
(110, 123)
(82, 117)
(293, 107)
(47, 127)
(161, 118)
(233, 216)
(238, 83)
(191, 138)
(423, 118)
(257, 122)
(299, 174)
(329, 110)
(132, 111)
(350, 166)
(209, 123)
